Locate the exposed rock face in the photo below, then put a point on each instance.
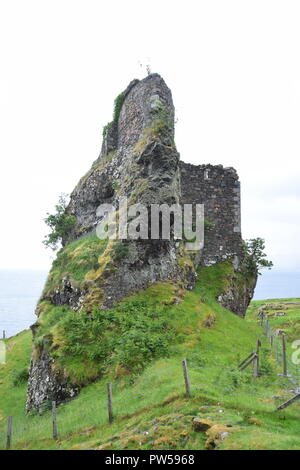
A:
(138, 156)
(238, 294)
(66, 295)
(44, 385)
(139, 160)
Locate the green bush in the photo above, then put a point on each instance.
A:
(255, 257)
(60, 224)
(118, 106)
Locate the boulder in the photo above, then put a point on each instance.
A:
(201, 424)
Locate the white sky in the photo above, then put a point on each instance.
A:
(234, 71)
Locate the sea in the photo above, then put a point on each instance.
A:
(20, 291)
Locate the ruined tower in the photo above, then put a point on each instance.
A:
(139, 160)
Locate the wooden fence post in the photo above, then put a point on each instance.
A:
(284, 361)
(9, 433)
(186, 377)
(255, 366)
(54, 425)
(109, 403)
(256, 360)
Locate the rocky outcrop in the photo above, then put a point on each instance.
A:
(66, 295)
(139, 161)
(138, 158)
(238, 293)
(45, 385)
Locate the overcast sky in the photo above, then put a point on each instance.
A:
(234, 71)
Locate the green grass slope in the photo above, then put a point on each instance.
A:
(151, 409)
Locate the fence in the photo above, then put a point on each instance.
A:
(115, 401)
(278, 345)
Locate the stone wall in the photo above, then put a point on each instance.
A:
(218, 189)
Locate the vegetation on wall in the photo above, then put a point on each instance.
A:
(117, 109)
(163, 115)
(208, 224)
(158, 131)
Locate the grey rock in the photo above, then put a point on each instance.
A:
(44, 385)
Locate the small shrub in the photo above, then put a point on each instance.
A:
(60, 224)
(255, 257)
(118, 106)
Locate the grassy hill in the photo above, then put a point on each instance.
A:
(151, 409)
